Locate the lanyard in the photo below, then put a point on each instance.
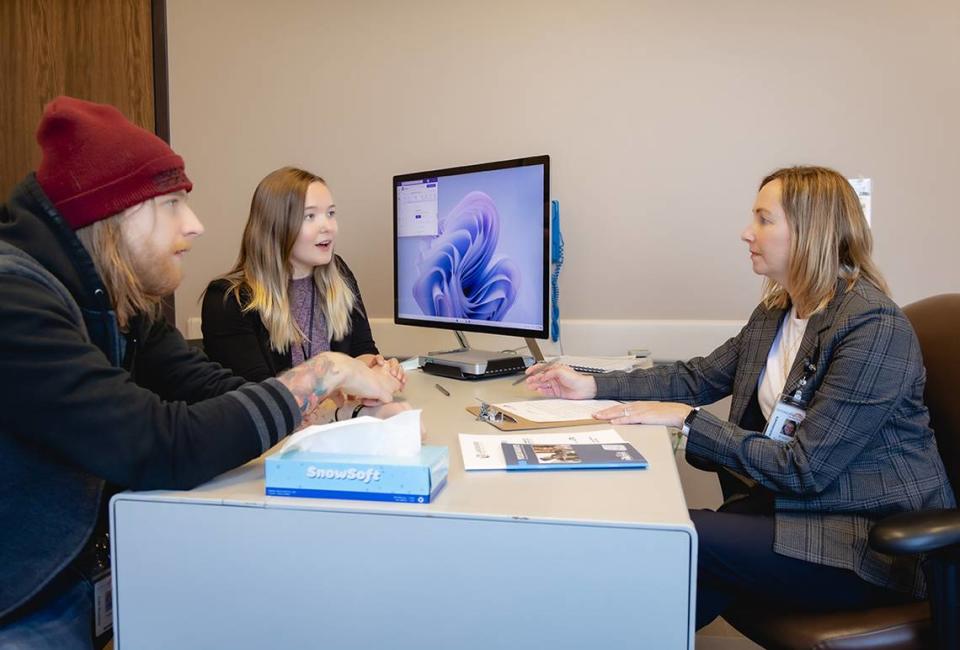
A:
(308, 351)
(808, 369)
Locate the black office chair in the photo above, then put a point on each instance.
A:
(937, 533)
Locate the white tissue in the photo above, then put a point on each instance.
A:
(364, 436)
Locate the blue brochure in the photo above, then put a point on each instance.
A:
(567, 456)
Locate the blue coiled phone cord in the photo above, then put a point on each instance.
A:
(556, 258)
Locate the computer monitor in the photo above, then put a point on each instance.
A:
(471, 247)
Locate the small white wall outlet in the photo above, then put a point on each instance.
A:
(193, 328)
(864, 189)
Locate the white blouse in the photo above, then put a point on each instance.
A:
(782, 354)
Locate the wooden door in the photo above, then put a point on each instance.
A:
(110, 51)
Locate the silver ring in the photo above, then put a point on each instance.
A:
(625, 412)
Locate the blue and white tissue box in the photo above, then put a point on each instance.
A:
(361, 458)
(399, 479)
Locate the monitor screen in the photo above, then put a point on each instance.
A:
(471, 245)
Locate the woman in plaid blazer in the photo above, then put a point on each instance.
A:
(826, 332)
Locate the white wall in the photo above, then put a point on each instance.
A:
(660, 117)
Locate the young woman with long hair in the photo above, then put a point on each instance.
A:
(290, 296)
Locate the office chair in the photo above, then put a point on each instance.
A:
(935, 623)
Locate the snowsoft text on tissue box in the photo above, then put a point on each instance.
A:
(403, 479)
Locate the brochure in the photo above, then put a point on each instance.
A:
(567, 456)
(485, 451)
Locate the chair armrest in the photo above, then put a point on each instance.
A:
(916, 532)
(701, 463)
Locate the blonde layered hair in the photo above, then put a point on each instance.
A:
(113, 260)
(260, 278)
(829, 239)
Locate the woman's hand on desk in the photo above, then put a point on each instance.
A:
(560, 381)
(669, 414)
(384, 411)
(339, 407)
(392, 366)
(374, 375)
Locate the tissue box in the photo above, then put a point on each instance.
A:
(413, 479)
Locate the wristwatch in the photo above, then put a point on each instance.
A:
(688, 421)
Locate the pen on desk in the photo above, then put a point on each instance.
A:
(442, 390)
(542, 368)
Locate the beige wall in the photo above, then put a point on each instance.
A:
(660, 117)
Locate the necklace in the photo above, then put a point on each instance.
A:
(308, 349)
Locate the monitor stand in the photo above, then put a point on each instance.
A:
(467, 363)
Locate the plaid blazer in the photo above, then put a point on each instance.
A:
(865, 449)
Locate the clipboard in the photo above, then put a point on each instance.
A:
(510, 422)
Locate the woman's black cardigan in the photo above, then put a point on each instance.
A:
(239, 341)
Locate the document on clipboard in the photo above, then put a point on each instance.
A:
(541, 413)
(556, 410)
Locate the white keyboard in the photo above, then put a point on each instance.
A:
(597, 365)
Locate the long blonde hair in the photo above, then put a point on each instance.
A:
(113, 260)
(259, 280)
(830, 239)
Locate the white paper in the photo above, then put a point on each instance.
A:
(483, 451)
(364, 436)
(556, 410)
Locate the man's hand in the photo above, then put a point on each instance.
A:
(320, 376)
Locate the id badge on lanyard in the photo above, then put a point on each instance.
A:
(102, 603)
(785, 419)
(790, 410)
(94, 564)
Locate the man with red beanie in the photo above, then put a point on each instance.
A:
(98, 392)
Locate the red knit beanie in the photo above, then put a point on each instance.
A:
(96, 163)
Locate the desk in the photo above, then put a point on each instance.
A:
(566, 559)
